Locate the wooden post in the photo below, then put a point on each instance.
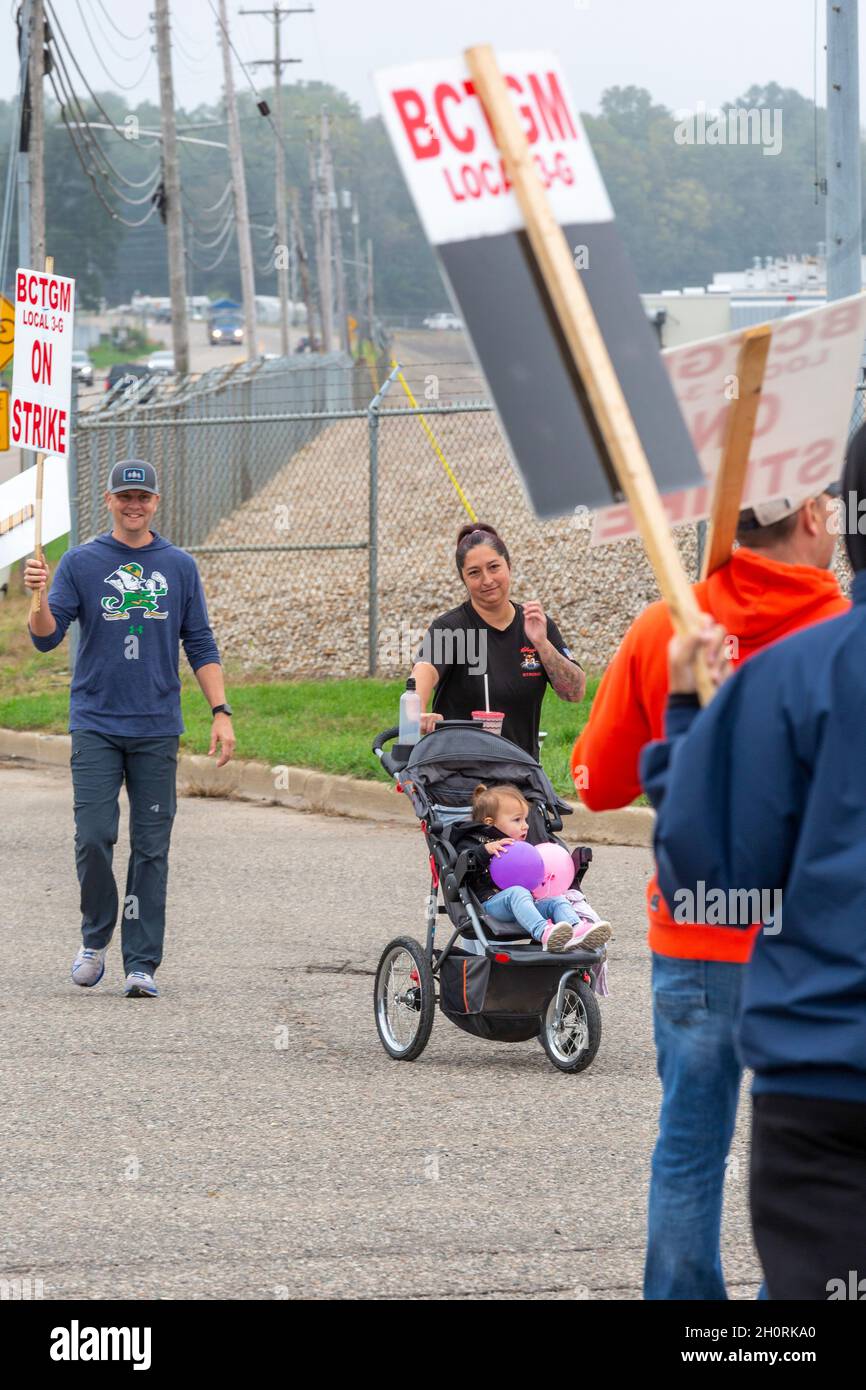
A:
(588, 348)
(739, 430)
(36, 601)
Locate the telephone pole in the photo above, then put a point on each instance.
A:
(171, 192)
(22, 163)
(334, 243)
(37, 134)
(239, 186)
(276, 15)
(843, 151)
(322, 227)
(299, 243)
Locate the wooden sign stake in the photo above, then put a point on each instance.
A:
(36, 601)
(739, 430)
(588, 348)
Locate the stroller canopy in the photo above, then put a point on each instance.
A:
(447, 765)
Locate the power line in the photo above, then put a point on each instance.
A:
(89, 174)
(124, 87)
(130, 38)
(124, 57)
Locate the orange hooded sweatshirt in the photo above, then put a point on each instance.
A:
(757, 600)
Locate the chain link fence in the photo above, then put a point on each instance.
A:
(324, 523)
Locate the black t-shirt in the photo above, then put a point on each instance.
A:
(462, 646)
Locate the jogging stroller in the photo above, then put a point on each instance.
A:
(493, 980)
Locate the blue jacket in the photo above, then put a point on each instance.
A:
(766, 790)
(135, 605)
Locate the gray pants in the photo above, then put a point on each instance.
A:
(100, 764)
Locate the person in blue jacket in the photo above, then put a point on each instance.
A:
(136, 597)
(761, 799)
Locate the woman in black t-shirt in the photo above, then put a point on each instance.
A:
(516, 646)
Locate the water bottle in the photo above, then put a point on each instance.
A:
(410, 714)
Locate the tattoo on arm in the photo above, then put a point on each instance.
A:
(567, 679)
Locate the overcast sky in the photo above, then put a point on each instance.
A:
(683, 51)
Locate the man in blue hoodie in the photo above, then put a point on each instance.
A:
(762, 796)
(136, 598)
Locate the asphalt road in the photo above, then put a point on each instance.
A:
(245, 1136)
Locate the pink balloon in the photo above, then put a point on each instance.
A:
(558, 871)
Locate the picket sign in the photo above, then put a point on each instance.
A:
(587, 347)
(42, 374)
(18, 510)
(802, 412)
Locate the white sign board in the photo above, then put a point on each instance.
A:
(18, 510)
(469, 211)
(42, 366)
(803, 417)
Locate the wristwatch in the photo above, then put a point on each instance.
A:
(222, 709)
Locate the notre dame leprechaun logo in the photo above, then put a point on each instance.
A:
(136, 593)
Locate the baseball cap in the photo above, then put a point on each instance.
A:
(133, 475)
(768, 513)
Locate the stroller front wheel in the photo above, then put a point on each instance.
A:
(404, 999)
(572, 1042)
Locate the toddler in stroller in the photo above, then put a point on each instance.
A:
(499, 817)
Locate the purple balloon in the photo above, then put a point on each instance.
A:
(518, 866)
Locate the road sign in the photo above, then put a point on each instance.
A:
(7, 332)
(471, 214)
(4, 420)
(42, 370)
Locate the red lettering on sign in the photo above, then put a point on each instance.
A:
(445, 92)
(842, 319)
(791, 336)
(552, 107)
(413, 114)
(41, 357)
(772, 485)
(701, 361)
(530, 126)
(813, 468)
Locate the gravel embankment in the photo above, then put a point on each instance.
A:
(305, 614)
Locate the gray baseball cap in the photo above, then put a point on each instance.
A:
(133, 475)
(768, 513)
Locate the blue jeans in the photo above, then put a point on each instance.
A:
(518, 905)
(101, 763)
(695, 1007)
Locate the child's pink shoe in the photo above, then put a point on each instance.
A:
(556, 937)
(589, 934)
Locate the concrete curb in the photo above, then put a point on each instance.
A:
(302, 789)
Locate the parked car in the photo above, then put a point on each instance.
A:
(82, 367)
(226, 329)
(444, 321)
(161, 363)
(123, 374)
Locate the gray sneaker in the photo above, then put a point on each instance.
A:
(140, 985)
(88, 967)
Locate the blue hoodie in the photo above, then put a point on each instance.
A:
(134, 606)
(766, 790)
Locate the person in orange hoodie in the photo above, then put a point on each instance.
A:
(777, 581)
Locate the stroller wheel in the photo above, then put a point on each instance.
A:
(404, 999)
(571, 1044)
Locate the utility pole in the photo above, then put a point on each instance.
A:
(298, 239)
(370, 286)
(37, 134)
(332, 248)
(25, 36)
(331, 224)
(359, 266)
(843, 151)
(322, 225)
(239, 186)
(171, 192)
(276, 15)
